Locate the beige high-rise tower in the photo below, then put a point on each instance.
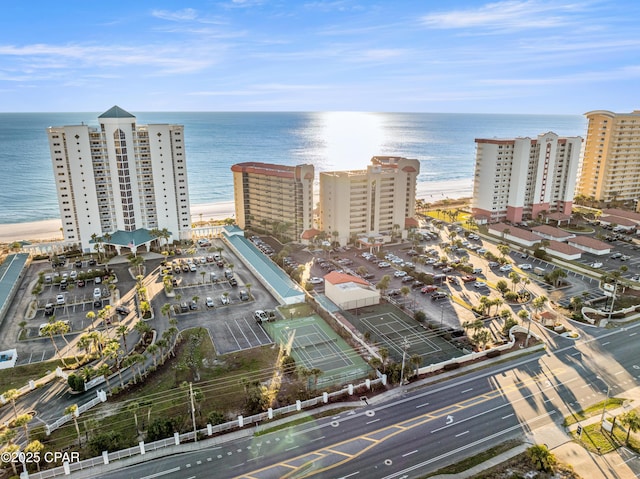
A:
(377, 200)
(611, 162)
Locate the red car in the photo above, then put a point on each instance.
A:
(429, 289)
(468, 278)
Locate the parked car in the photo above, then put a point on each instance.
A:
(467, 278)
(261, 316)
(315, 280)
(60, 299)
(97, 293)
(209, 302)
(383, 264)
(506, 267)
(429, 289)
(525, 266)
(243, 295)
(224, 299)
(439, 295)
(122, 310)
(49, 308)
(596, 265)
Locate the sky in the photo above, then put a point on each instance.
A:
(459, 56)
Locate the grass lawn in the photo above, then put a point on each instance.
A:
(19, 376)
(218, 385)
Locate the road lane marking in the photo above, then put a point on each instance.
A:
(409, 453)
(507, 416)
(619, 372)
(577, 353)
(466, 391)
(162, 473)
(292, 448)
(462, 433)
(371, 422)
(422, 405)
(604, 344)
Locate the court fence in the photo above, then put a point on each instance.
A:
(176, 444)
(480, 354)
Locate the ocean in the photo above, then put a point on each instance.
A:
(444, 144)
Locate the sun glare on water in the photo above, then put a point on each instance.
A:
(351, 138)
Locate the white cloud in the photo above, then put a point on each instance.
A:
(509, 14)
(186, 14)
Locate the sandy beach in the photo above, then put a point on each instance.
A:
(49, 230)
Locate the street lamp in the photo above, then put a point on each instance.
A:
(604, 408)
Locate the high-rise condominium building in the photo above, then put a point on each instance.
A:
(611, 161)
(377, 200)
(520, 178)
(275, 198)
(120, 177)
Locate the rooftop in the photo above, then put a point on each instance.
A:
(342, 278)
(563, 248)
(551, 231)
(515, 232)
(272, 274)
(116, 112)
(589, 242)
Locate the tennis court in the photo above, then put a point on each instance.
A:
(313, 344)
(394, 330)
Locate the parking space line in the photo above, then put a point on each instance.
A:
(234, 336)
(242, 331)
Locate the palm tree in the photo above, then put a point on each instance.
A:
(105, 370)
(415, 360)
(35, 447)
(405, 291)
(85, 342)
(53, 327)
(383, 284)
(122, 331)
(142, 328)
(538, 303)
(248, 286)
(72, 410)
(203, 274)
(11, 395)
(91, 316)
(384, 355)
(23, 421)
(195, 299)
(166, 310)
(515, 279)
(153, 350)
(315, 372)
(630, 419)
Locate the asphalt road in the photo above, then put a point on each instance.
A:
(419, 431)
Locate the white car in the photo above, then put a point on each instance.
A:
(383, 264)
(261, 316)
(315, 280)
(596, 265)
(209, 302)
(505, 268)
(193, 268)
(60, 299)
(524, 266)
(97, 294)
(225, 299)
(480, 284)
(400, 274)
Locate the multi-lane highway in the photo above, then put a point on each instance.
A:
(421, 430)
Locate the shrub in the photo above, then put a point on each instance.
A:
(107, 441)
(215, 417)
(161, 428)
(75, 382)
(451, 366)
(420, 316)
(493, 353)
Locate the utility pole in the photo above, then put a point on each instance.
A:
(405, 346)
(193, 413)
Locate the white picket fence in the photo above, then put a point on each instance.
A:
(210, 430)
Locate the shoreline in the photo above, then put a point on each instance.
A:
(50, 230)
